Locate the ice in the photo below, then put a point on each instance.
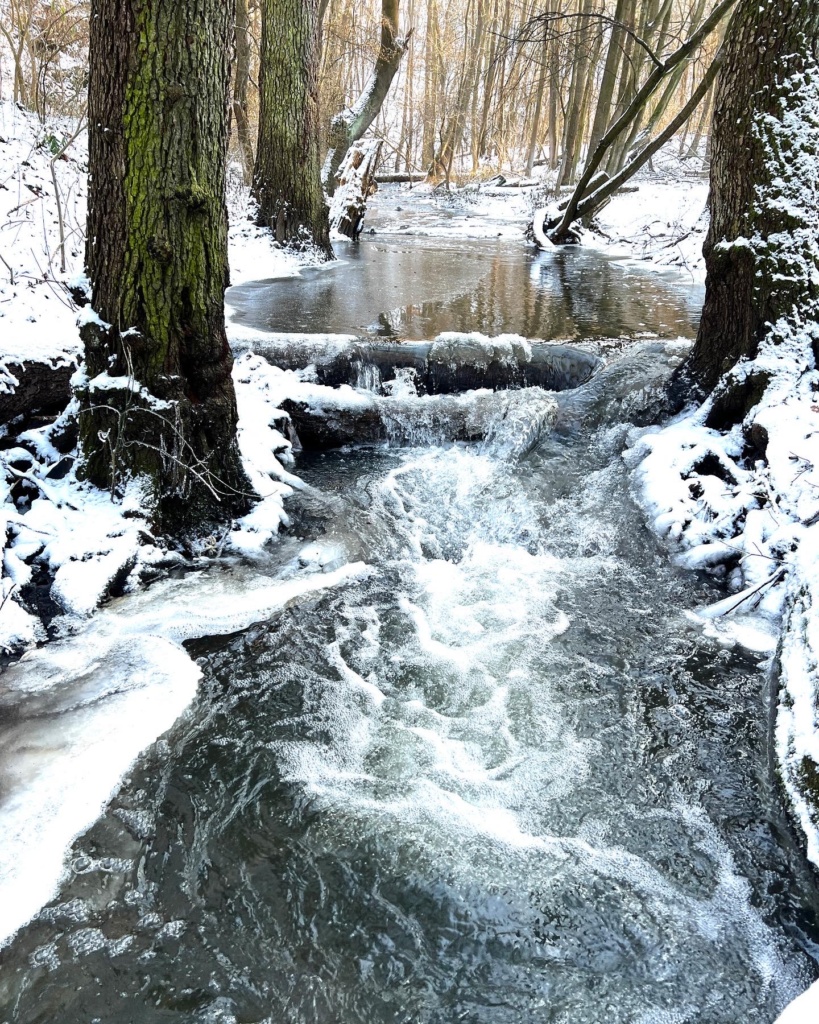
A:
(804, 1010)
(478, 349)
(79, 719)
(82, 710)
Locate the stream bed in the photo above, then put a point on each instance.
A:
(502, 777)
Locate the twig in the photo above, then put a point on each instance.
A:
(47, 492)
(776, 578)
(10, 270)
(12, 588)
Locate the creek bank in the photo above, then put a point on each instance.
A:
(35, 388)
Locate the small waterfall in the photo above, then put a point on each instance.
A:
(509, 423)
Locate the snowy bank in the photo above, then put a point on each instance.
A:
(42, 240)
(58, 534)
(804, 1010)
(733, 486)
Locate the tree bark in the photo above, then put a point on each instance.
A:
(350, 125)
(241, 78)
(158, 406)
(287, 176)
(769, 46)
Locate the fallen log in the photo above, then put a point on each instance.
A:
(32, 388)
(399, 178)
(450, 364)
(510, 423)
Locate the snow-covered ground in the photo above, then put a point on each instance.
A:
(660, 220)
(37, 316)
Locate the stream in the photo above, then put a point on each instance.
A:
(501, 777)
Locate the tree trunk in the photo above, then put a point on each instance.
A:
(357, 183)
(350, 125)
(241, 78)
(158, 407)
(536, 117)
(573, 128)
(447, 151)
(693, 146)
(561, 231)
(431, 84)
(287, 177)
(769, 45)
(614, 57)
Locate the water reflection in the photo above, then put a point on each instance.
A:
(417, 288)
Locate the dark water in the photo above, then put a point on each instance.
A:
(502, 779)
(419, 287)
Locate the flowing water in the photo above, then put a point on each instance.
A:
(503, 778)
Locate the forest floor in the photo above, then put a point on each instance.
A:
(756, 521)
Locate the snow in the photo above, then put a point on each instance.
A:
(754, 521)
(804, 1010)
(252, 253)
(100, 706)
(663, 224)
(37, 316)
(83, 710)
(478, 349)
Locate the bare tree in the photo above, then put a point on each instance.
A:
(350, 125)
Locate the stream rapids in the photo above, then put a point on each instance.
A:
(502, 778)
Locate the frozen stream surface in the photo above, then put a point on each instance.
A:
(498, 777)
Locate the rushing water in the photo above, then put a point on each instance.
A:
(502, 779)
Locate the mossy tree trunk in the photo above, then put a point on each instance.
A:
(158, 406)
(769, 46)
(287, 176)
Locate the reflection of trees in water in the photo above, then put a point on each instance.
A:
(495, 290)
(564, 296)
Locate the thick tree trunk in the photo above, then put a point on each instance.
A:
(158, 406)
(769, 45)
(287, 177)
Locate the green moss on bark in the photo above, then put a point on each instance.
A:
(157, 258)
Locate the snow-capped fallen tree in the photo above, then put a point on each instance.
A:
(451, 363)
